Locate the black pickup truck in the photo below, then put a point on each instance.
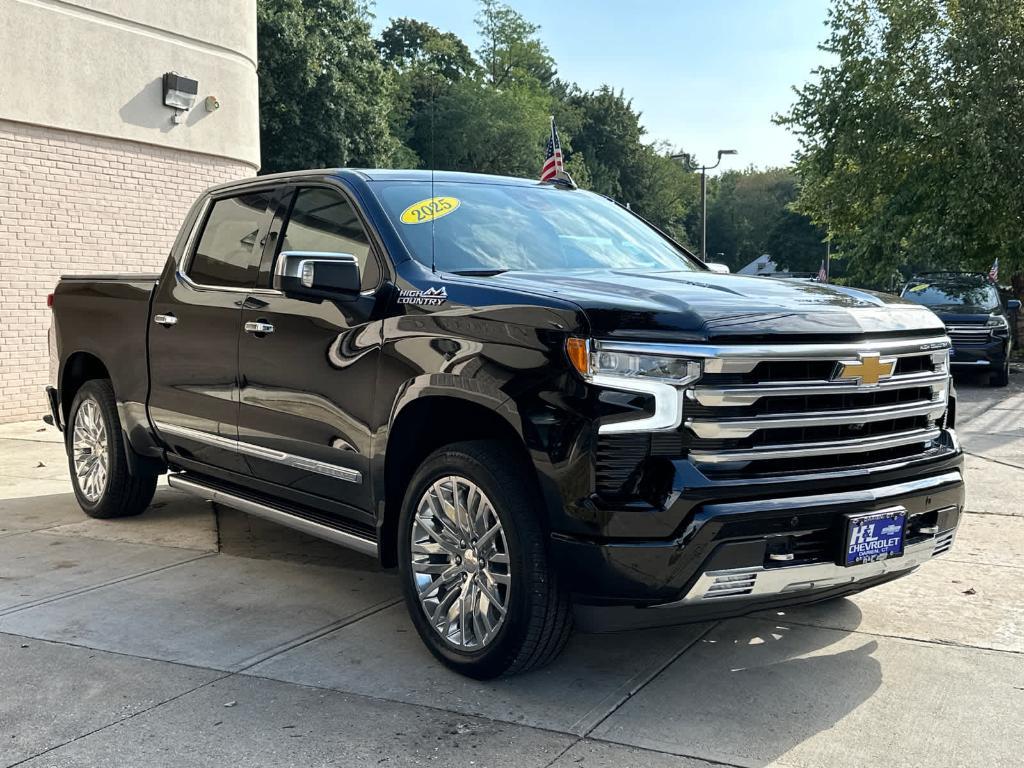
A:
(536, 405)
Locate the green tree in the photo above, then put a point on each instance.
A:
(605, 128)
(452, 113)
(510, 50)
(423, 62)
(485, 130)
(490, 115)
(750, 214)
(408, 44)
(796, 244)
(324, 95)
(911, 141)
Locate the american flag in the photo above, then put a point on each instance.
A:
(553, 159)
(822, 273)
(993, 274)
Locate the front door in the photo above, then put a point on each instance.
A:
(307, 368)
(195, 325)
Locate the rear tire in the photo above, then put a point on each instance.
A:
(478, 583)
(97, 458)
(1001, 378)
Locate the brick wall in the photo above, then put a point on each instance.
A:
(77, 203)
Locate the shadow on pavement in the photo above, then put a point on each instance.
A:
(753, 690)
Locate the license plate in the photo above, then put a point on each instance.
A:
(874, 536)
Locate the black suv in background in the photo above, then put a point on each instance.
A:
(975, 319)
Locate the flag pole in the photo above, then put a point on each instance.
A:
(828, 257)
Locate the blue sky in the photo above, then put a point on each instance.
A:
(706, 74)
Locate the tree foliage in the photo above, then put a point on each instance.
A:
(419, 97)
(510, 51)
(750, 214)
(324, 95)
(910, 142)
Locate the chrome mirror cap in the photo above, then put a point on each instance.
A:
(300, 266)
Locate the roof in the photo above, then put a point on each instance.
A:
(762, 265)
(379, 174)
(391, 174)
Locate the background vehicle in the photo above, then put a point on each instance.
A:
(533, 403)
(970, 307)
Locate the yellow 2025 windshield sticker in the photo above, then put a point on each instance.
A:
(429, 209)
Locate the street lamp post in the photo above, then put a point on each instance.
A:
(704, 201)
(704, 196)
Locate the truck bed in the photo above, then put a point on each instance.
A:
(106, 318)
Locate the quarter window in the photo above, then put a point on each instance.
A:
(322, 220)
(228, 253)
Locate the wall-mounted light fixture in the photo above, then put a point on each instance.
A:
(179, 93)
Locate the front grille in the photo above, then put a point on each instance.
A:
(773, 423)
(781, 410)
(969, 335)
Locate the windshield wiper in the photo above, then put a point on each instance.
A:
(480, 272)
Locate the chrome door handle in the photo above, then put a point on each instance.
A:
(165, 320)
(258, 327)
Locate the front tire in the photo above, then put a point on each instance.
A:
(475, 572)
(97, 457)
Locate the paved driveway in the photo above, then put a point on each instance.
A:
(200, 636)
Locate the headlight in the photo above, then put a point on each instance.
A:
(662, 377)
(997, 321)
(594, 359)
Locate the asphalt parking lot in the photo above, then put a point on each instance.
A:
(196, 635)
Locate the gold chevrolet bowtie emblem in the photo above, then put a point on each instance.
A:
(869, 369)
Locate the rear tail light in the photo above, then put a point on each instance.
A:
(49, 300)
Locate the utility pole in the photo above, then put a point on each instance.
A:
(704, 196)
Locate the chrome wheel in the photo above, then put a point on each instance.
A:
(89, 450)
(460, 563)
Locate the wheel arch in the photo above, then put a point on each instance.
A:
(421, 427)
(78, 368)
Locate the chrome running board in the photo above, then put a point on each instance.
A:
(274, 515)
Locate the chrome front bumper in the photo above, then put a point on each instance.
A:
(739, 584)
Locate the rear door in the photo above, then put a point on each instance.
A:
(194, 328)
(308, 368)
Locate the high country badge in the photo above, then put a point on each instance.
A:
(432, 297)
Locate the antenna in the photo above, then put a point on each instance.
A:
(433, 158)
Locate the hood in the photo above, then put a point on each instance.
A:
(966, 318)
(692, 306)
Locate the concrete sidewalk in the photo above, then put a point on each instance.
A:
(200, 636)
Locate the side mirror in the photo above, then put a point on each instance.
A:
(1013, 305)
(316, 274)
(718, 269)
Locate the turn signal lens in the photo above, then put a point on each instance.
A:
(579, 354)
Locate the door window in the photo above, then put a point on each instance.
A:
(228, 253)
(323, 220)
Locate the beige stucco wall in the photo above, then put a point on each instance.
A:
(96, 66)
(94, 174)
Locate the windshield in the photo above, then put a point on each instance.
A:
(494, 227)
(969, 298)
